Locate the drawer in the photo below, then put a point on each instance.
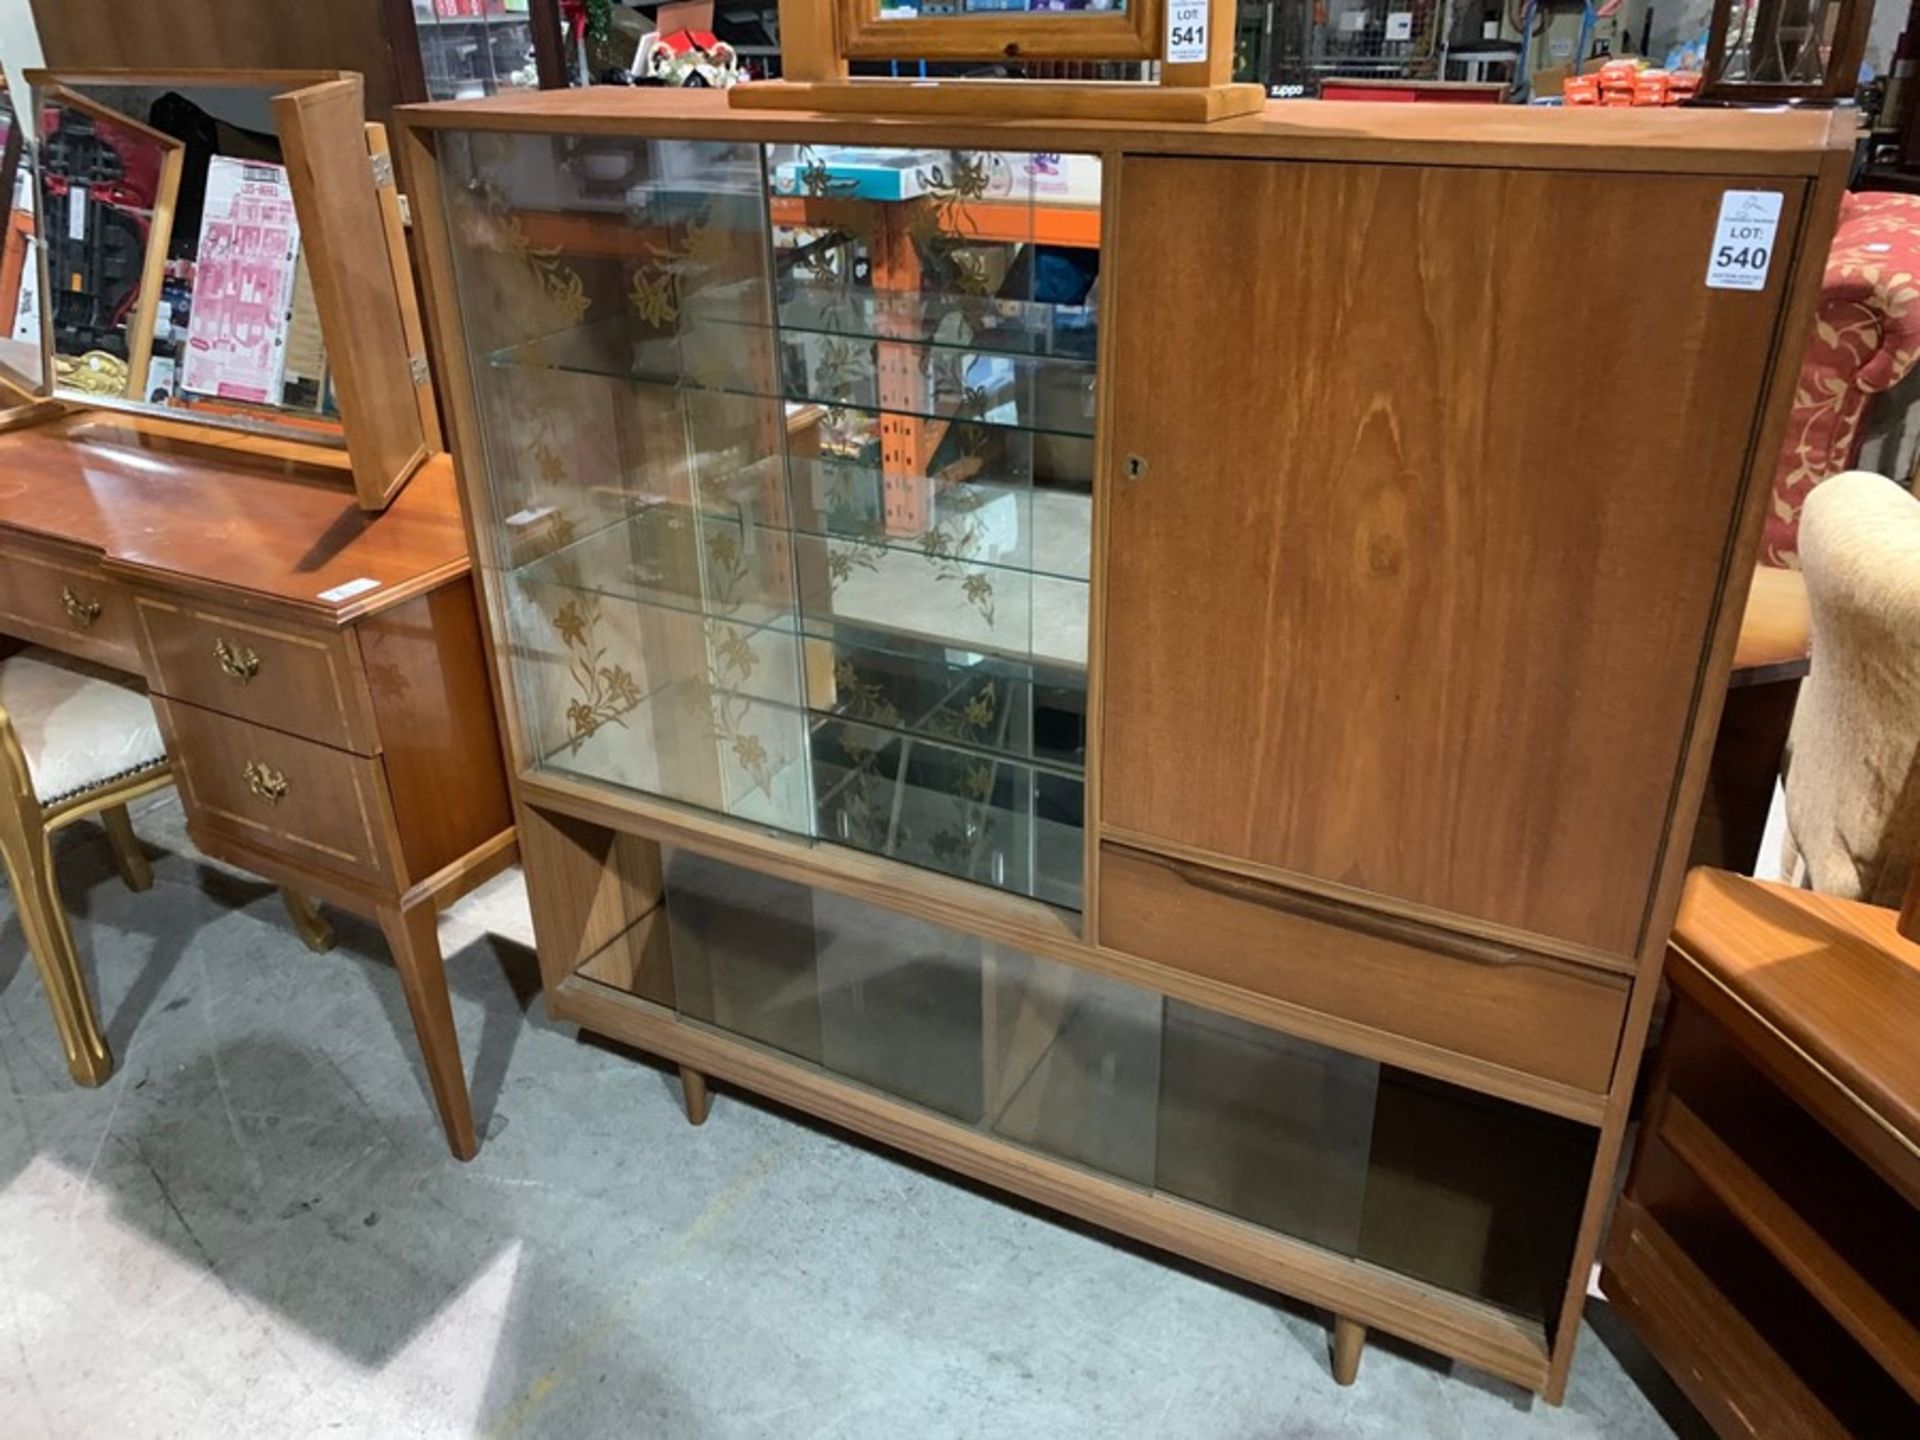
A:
(315, 805)
(1536, 1015)
(305, 682)
(57, 596)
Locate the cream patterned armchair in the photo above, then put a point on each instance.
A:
(1853, 757)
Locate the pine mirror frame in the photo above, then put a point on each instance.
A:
(1130, 34)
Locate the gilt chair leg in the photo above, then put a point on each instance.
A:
(128, 857)
(1349, 1339)
(43, 920)
(304, 911)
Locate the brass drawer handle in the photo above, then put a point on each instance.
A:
(82, 612)
(239, 662)
(266, 782)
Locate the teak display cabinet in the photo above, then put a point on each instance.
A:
(1208, 747)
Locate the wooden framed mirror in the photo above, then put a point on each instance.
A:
(24, 379)
(1187, 43)
(224, 248)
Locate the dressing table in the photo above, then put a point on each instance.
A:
(288, 574)
(317, 670)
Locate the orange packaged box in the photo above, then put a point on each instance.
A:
(1580, 90)
(1650, 88)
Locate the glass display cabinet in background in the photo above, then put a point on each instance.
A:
(463, 49)
(791, 461)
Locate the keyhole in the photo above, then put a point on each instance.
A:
(1136, 467)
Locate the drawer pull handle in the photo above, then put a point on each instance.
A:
(1328, 911)
(82, 612)
(238, 661)
(266, 782)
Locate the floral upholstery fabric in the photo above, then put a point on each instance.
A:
(79, 724)
(1866, 338)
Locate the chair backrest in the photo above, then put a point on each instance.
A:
(1853, 762)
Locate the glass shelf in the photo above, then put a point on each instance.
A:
(1041, 396)
(672, 557)
(988, 521)
(1066, 334)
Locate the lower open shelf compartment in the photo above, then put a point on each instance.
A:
(1407, 1204)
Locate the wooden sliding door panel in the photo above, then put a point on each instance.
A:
(1410, 585)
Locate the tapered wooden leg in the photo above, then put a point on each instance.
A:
(43, 920)
(693, 1091)
(307, 919)
(128, 857)
(1349, 1339)
(413, 934)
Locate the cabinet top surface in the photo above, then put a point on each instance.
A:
(1777, 142)
(1833, 978)
(221, 513)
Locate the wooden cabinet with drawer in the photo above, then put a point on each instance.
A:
(57, 595)
(314, 804)
(1536, 1014)
(305, 681)
(355, 760)
(1364, 709)
(319, 675)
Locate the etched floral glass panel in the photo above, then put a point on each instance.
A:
(790, 454)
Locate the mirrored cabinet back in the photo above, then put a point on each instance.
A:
(1166, 668)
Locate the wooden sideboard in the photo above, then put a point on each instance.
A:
(319, 671)
(1210, 752)
(1767, 1244)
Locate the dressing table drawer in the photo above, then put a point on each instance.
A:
(304, 682)
(57, 596)
(1533, 1014)
(317, 806)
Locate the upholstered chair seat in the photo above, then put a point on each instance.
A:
(80, 725)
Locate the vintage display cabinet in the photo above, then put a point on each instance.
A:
(1165, 667)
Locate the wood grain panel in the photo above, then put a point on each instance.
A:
(597, 899)
(305, 682)
(332, 811)
(322, 133)
(1544, 1018)
(57, 595)
(1725, 142)
(1473, 489)
(1853, 1300)
(1735, 1378)
(425, 665)
(221, 34)
(1824, 993)
(186, 509)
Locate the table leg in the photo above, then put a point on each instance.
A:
(1349, 1339)
(304, 911)
(413, 934)
(693, 1092)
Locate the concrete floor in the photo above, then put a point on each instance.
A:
(255, 1229)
